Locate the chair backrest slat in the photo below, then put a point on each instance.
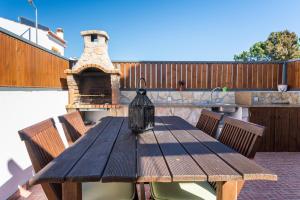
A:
(43, 144)
(73, 126)
(241, 136)
(208, 122)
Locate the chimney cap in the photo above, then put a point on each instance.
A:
(97, 32)
(59, 30)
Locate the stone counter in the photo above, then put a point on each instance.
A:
(267, 98)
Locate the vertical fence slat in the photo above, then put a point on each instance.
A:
(244, 74)
(184, 74)
(194, 76)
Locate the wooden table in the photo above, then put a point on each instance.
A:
(173, 151)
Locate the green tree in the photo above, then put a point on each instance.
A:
(244, 56)
(283, 45)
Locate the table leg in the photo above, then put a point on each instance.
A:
(240, 185)
(142, 191)
(227, 190)
(71, 191)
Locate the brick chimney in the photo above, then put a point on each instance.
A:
(95, 53)
(94, 57)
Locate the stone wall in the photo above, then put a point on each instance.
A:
(189, 113)
(180, 97)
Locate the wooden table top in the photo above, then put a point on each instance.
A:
(173, 151)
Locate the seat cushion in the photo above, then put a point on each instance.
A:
(105, 191)
(185, 190)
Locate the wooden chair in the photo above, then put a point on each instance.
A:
(43, 145)
(208, 122)
(73, 126)
(241, 136)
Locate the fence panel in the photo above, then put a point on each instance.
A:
(206, 75)
(25, 65)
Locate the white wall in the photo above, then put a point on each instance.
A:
(20, 109)
(44, 39)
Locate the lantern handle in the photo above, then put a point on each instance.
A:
(145, 85)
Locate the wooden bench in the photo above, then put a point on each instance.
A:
(73, 126)
(208, 122)
(43, 144)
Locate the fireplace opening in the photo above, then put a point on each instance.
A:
(95, 87)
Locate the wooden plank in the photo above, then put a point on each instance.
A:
(229, 82)
(247, 168)
(204, 75)
(249, 76)
(279, 74)
(282, 129)
(298, 128)
(260, 77)
(148, 71)
(199, 78)
(188, 76)
(137, 75)
(174, 72)
(214, 167)
(91, 165)
(245, 76)
(193, 73)
(293, 130)
(127, 74)
(121, 165)
(219, 81)
(234, 76)
(151, 166)
(183, 74)
(55, 171)
(169, 77)
(224, 75)
(158, 79)
(264, 117)
(163, 76)
(240, 76)
(297, 73)
(274, 76)
(270, 74)
(265, 75)
(180, 163)
(122, 74)
(213, 76)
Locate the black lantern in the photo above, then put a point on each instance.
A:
(141, 111)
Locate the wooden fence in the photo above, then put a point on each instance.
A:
(23, 64)
(293, 74)
(201, 75)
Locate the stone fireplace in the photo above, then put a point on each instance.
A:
(93, 82)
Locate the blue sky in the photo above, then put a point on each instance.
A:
(164, 29)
